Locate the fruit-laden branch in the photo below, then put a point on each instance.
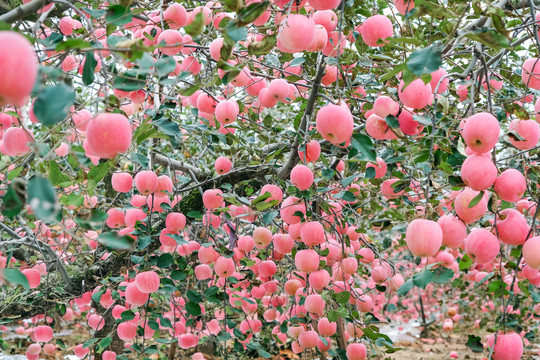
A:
(285, 170)
(251, 170)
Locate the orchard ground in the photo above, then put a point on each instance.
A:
(407, 337)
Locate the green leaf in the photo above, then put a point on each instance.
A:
(520, 112)
(465, 262)
(14, 199)
(73, 199)
(195, 214)
(224, 336)
(229, 76)
(407, 76)
(197, 25)
(194, 296)
(53, 103)
(97, 173)
(127, 315)
(497, 19)
(15, 172)
(297, 61)
(52, 40)
(16, 277)
(269, 216)
(342, 297)
(97, 296)
(334, 315)
(370, 173)
(534, 294)
(226, 52)
(60, 344)
(425, 61)
(496, 286)
(475, 344)
(392, 121)
(260, 198)
(489, 37)
(129, 81)
(153, 325)
(476, 199)
(179, 239)
(94, 12)
(264, 354)
(165, 66)
(395, 70)
(264, 46)
(266, 205)
(114, 241)
(165, 260)
(442, 275)
(73, 44)
(348, 196)
(61, 309)
(250, 13)
(234, 5)
(405, 288)
(193, 309)
(42, 198)
(112, 41)
(94, 221)
(273, 60)
(422, 279)
(105, 342)
(165, 322)
(484, 279)
(56, 176)
(140, 158)
(118, 15)
(237, 33)
(90, 342)
(362, 144)
(89, 68)
(446, 167)
(143, 242)
(167, 127)
(211, 291)
(400, 185)
(190, 90)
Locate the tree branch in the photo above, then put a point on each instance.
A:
(24, 10)
(178, 165)
(285, 170)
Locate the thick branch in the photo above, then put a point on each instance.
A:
(25, 10)
(285, 170)
(178, 165)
